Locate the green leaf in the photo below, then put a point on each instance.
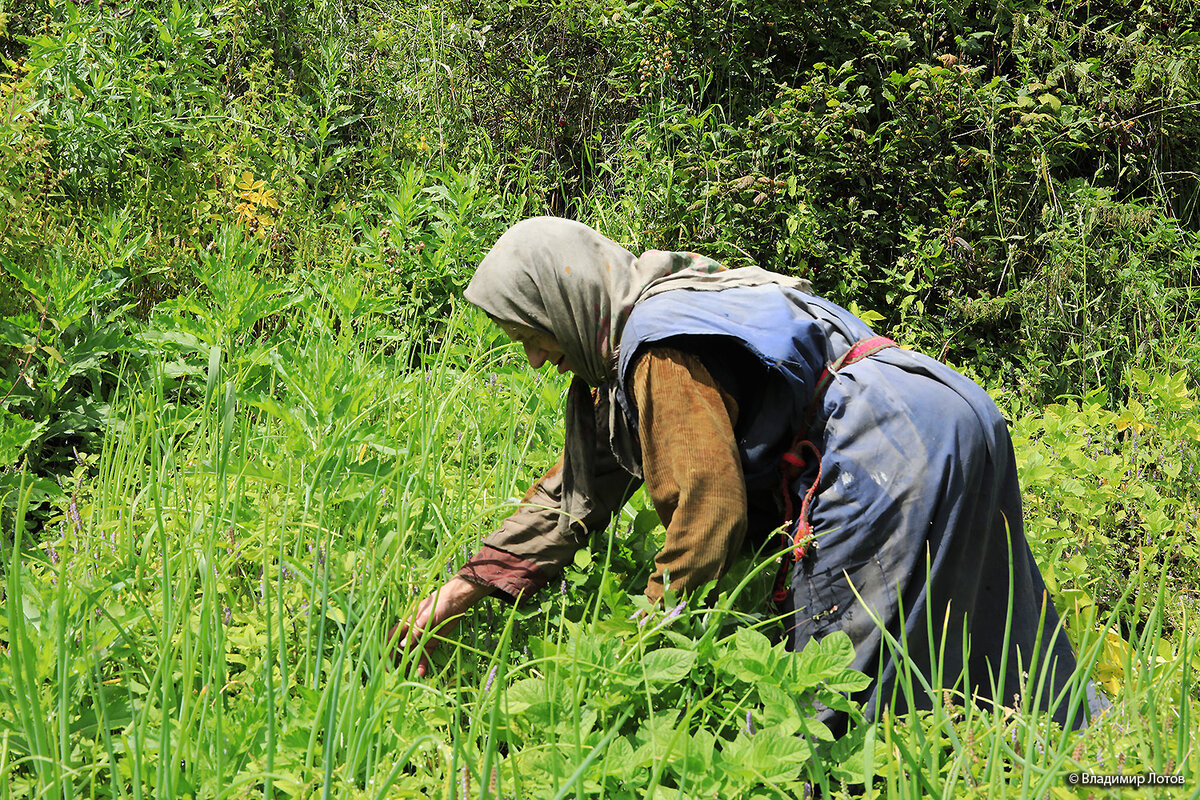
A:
(770, 755)
(32, 284)
(848, 680)
(815, 729)
(753, 644)
(526, 694)
(17, 331)
(645, 521)
(16, 433)
(779, 707)
(751, 658)
(668, 664)
(823, 659)
(1051, 101)
(659, 739)
(619, 761)
(40, 489)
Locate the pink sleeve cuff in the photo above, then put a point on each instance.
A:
(508, 574)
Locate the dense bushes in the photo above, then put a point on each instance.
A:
(1011, 187)
(961, 176)
(242, 423)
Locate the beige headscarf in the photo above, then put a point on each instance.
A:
(565, 279)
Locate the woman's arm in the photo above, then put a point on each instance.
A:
(694, 477)
(533, 545)
(692, 467)
(439, 613)
(531, 532)
(528, 548)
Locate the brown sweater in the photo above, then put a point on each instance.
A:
(693, 475)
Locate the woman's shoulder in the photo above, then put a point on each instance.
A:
(769, 324)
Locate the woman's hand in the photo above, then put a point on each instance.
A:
(438, 613)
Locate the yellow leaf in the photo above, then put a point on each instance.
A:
(1110, 668)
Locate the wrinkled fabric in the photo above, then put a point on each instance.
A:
(692, 467)
(693, 477)
(561, 277)
(917, 513)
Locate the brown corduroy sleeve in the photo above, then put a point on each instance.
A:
(691, 465)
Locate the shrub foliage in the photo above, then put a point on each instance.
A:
(244, 420)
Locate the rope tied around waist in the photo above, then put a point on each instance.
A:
(793, 463)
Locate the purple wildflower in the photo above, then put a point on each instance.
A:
(640, 618)
(73, 514)
(675, 612)
(749, 724)
(487, 686)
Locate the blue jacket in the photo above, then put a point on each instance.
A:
(917, 514)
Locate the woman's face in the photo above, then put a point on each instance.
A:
(540, 348)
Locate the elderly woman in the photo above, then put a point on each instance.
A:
(752, 409)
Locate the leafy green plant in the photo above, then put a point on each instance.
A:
(206, 615)
(63, 351)
(118, 92)
(227, 314)
(245, 423)
(949, 172)
(1111, 495)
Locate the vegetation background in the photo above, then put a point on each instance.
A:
(245, 420)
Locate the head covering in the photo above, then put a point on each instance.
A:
(563, 278)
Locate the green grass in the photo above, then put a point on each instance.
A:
(245, 424)
(207, 619)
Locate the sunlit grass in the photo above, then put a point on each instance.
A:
(208, 619)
